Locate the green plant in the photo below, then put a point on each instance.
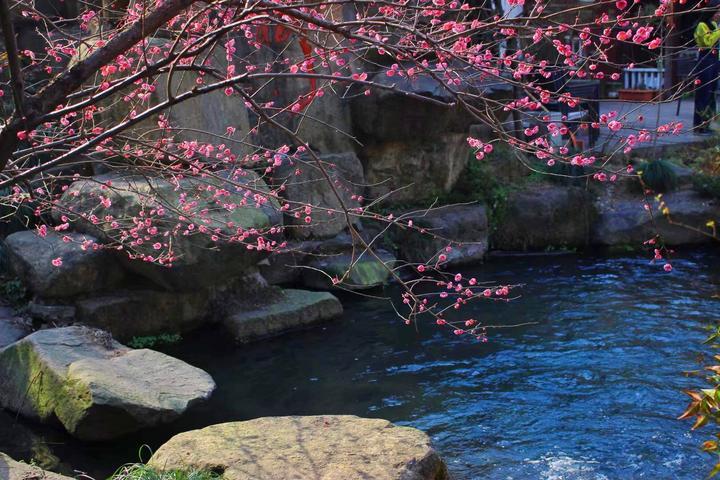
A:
(151, 341)
(141, 471)
(658, 175)
(14, 292)
(707, 184)
(478, 184)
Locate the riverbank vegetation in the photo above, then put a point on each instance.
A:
(142, 471)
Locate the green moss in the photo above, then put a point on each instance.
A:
(76, 401)
(34, 389)
(366, 271)
(31, 387)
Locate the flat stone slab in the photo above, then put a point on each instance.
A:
(95, 387)
(328, 447)
(292, 309)
(12, 470)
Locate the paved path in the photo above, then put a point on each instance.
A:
(642, 115)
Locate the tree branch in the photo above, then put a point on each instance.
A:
(56, 92)
(16, 80)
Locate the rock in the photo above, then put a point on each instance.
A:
(130, 313)
(330, 447)
(683, 174)
(81, 271)
(310, 187)
(362, 272)
(56, 315)
(624, 220)
(464, 227)
(503, 165)
(417, 169)
(12, 328)
(283, 267)
(198, 259)
(323, 122)
(95, 387)
(392, 115)
(291, 309)
(545, 216)
(11, 332)
(12, 470)
(204, 118)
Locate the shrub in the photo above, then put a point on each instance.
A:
(13, 291)
(707, 184)
(658, 175)
(151, 341)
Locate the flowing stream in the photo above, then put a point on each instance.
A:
(591, 390)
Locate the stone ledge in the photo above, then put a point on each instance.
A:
(292, 309)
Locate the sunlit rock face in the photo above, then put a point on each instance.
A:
(327, 446)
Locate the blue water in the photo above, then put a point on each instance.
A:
(591, 390)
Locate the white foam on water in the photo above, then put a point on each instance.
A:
(564, 467)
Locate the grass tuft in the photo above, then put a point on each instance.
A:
(141, 471)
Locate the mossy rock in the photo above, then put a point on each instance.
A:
(245, 204)
(354, 273)
(96, 388)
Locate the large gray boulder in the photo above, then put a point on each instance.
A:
(304, 184)
(625, 221)
(95, 387)
(389, 115)
(225, 204)
(323, 122)
(416, 169)
(463, 228)
(12, 470)
(542, 217)
(329, 447)
(287, 310)
(284, 266)
(202, 118)
(81, 271)
(129, 313)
